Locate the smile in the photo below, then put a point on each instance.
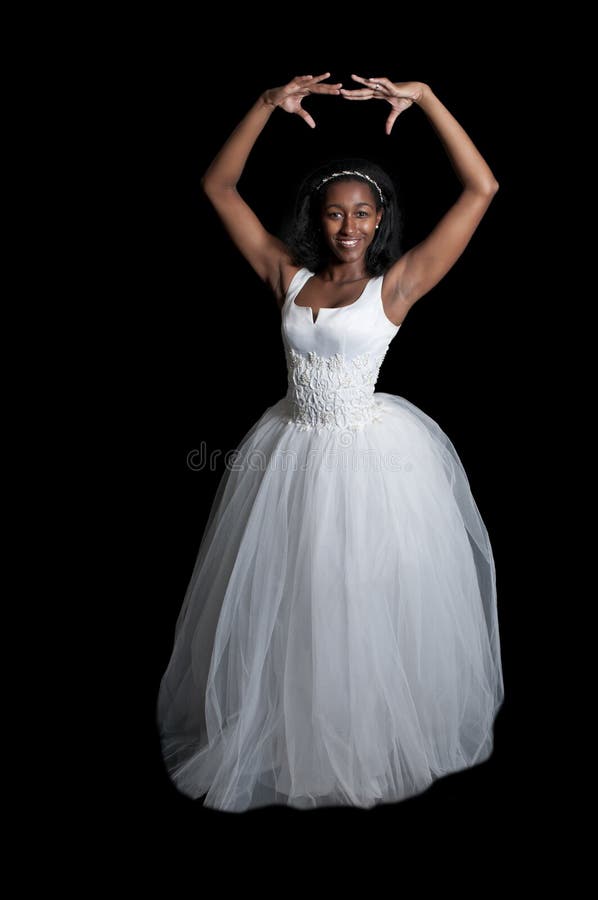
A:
(348, 243)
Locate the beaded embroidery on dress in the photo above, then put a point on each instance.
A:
(331, 391)
(338, 642)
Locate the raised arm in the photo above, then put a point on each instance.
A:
(424, 265)
(265, 252)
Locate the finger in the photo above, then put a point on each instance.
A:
(325, 89)
(317, 78)
(394, 115)
(373, 83)
(300, 82)
(358, 94)
(305, 115)
(378, 86)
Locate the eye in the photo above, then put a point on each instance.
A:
(363, 213)
(333, 214)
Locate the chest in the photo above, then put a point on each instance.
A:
(327, 295)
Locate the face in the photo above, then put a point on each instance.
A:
(349, 219)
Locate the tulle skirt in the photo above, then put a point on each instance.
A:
(338, 643)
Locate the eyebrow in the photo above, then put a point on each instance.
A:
(361, 203)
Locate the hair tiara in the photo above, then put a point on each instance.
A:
(352, 172)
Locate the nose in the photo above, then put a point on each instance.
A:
(348, 227)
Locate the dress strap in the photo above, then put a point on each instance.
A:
(377, 292)
(297, 282)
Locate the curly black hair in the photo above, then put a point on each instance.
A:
(304, 236)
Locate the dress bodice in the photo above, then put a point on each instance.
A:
(333, 363)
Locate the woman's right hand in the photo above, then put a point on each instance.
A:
(289, 96)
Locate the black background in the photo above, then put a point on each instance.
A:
(200, 355)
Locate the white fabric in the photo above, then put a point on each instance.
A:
(338, 643)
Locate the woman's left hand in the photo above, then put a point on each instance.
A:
(400, 96)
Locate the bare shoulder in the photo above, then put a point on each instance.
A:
(394, 301)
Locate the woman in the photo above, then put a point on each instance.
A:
(338, 643)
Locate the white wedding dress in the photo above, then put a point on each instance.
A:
(338, 643)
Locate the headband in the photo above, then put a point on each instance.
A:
(351, 172)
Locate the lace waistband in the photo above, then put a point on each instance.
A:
(332, 391)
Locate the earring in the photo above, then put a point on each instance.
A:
(377, 226)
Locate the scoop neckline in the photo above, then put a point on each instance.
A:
(309, 309)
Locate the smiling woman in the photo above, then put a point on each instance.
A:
(346, 211)
(349, 218)
(338, 642)
(343, 194)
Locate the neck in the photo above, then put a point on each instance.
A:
(344, 272)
